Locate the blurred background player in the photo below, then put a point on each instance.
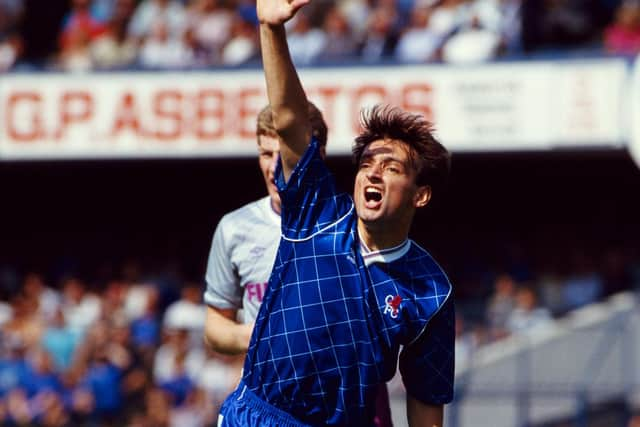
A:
(244, 247)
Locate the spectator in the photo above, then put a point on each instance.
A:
(502, 17)
(80, 307)
(566, 23)
(527, 314)
(176, 355)
(448, 16)
(138, 292)
(103, 9)
(157, 408)
(145, 329)
(584, 284)
(10, 40)
(150, 13)
(623, 35)
(501, 305)
(356, 12)
(130, 362)
(24, 326)
(179, 385)
(471, 44)
(80, 401)
(551, 292)
(102, 380)
(13, 365)
(340, 43)
(40, 375)
(75, 56)
(210, 25)
(243, 45)
(80, 25)
(306, 42)
(18, 408)
(202, 57)
(60, 341)
(114, 49)
(46, 299)
(162, 50)
(52, 412)
(381, 37)
(418, 43)
(219, 375)
(195, 411)
(187, 313)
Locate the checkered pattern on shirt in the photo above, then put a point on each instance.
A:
(321, 344)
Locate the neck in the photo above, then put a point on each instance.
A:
(377, 238)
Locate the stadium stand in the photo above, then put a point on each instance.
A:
(100, 254)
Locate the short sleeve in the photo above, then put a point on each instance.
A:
(223, 287)
(310, 201)
(427, 365)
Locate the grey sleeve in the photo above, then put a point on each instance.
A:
(223, 285)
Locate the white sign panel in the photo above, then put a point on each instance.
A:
(513, 106)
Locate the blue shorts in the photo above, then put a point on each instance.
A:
(243, 408)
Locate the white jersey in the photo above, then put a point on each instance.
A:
(241, 258)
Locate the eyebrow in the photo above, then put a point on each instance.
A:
(388, 158)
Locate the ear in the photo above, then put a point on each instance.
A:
(422, 196)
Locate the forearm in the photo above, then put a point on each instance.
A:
(286, 95)
(224, 335)
(422, 415)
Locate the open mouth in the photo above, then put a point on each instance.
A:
(372, 194)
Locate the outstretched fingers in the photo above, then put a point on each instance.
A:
(297, 4)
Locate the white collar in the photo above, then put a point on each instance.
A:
(384, 255)
(270, 212)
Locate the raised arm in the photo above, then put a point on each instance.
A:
(284, 90)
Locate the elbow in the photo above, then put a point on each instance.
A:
(212, 342)
(208, 342)
(287, 121)
(220, 345)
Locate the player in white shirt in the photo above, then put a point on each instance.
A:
(244, 248)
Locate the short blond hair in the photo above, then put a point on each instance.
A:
(318, 126)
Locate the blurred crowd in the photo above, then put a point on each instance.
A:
(123, 354)
(82, 35)
(521, 301)
(127, 349)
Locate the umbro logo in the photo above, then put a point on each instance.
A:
(257, 251)
(392, 305)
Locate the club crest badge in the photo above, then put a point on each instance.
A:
(392, 305)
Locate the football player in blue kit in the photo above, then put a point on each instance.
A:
(349, 293)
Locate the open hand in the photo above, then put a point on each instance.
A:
(275, 12)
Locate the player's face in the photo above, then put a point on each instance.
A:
(268, 153)
(385, 190)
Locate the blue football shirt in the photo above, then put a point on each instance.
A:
(335, 316)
